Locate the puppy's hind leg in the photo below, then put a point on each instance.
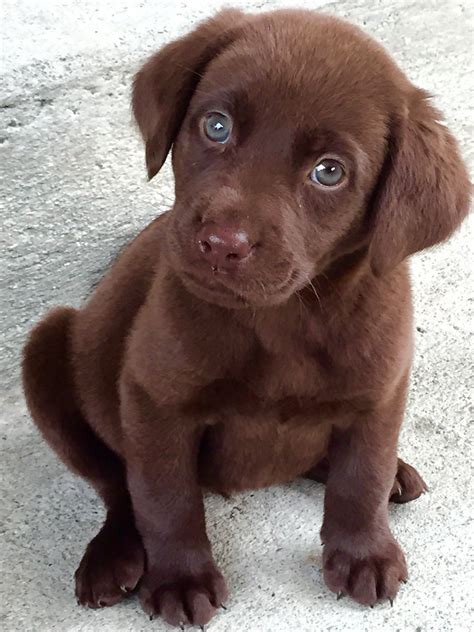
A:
(114, 560)
(408, 484)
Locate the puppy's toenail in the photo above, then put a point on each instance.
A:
(223, 607)
(340, 595)
(151, 617)
(391, 602)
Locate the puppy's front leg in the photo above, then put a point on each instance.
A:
(361, 557)
(182, 582)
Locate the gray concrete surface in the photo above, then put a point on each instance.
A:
(73, 191)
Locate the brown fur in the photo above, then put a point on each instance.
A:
(296, 359)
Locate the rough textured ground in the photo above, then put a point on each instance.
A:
(73, 192)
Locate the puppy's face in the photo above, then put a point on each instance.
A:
(277, 155)
(275, 158)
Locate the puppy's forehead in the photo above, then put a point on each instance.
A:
(314, 70)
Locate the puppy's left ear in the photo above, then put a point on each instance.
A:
(423, 192)
(164, 86)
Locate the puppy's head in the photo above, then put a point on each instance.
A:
(296, 141)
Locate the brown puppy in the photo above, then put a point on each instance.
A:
(262, 329)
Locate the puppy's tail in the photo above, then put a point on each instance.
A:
(48, 382)
(49, 385)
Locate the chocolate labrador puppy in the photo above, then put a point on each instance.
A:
(261, 329)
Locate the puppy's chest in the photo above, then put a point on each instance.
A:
(290, 371)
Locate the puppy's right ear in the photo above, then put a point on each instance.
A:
(164, 86)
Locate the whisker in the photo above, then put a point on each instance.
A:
(315, 291)
(191, 70)
(200, 90)
(209, 94)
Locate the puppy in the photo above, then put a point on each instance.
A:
(261, 329)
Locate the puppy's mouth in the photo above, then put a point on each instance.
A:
(214, 289)
(257, 280)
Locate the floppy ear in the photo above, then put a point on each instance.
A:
(164, 86)
(424, 190)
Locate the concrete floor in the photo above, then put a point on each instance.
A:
(73, 191)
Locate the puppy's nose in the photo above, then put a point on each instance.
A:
(223, 247)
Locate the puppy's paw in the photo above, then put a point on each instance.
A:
(112, 566)
(188, 599)
(367, 577)
(408, 484)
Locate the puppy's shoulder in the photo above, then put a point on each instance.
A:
(115, 302)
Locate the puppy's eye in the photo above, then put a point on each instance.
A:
(217, 127)
(328, 172)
